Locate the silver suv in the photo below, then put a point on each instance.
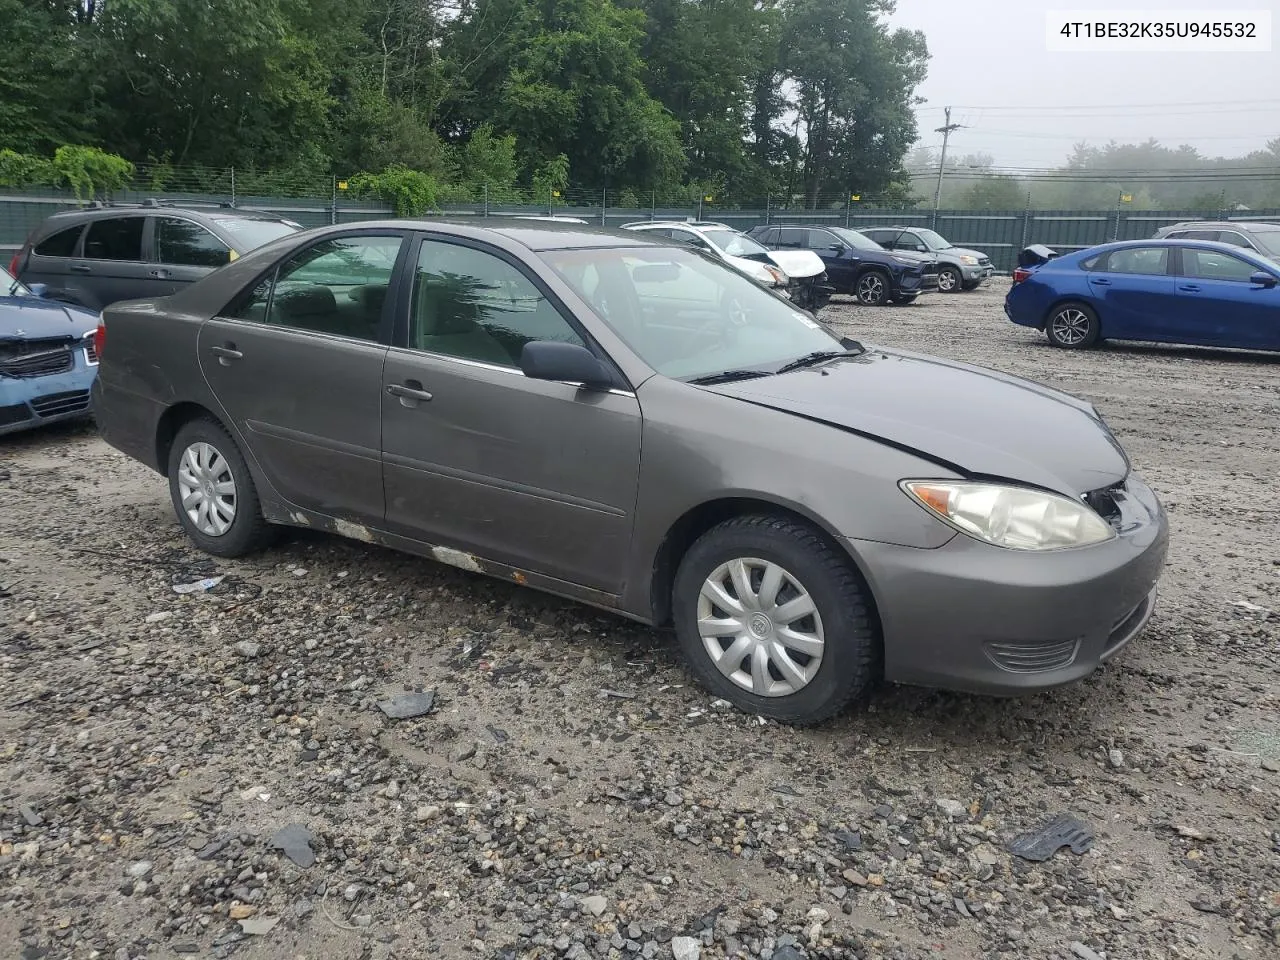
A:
(1262, 238)
(959, 268)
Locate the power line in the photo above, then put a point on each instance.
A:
(1093, 107)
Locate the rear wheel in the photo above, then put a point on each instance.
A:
(213, 493)
(872, 288)
(775, 620)
(1073, 326)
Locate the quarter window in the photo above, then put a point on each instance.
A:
(1213, 265)
(61, 244)
(339, 287)
(186, 244)
(115, 239)
(472, 305)
(1144, 261)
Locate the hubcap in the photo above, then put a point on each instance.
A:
(208, 489)
(760, 627)
(870, 288)
(946, 281)
(1070, 326)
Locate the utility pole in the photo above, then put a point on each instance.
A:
(945, 130)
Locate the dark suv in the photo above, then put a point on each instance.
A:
(97, 255)
(1261, 238)
(856, 265)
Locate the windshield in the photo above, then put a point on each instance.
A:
(11, 286)
(734, 244)
(934, 241)
(686, 315)
(249, 234)
(1268, 240)
(854, 239)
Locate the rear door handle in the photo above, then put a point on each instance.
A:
(81, 268)
(1190, 287)
(1099, 281)
(226, 353)
(160, 273)
(410, 392)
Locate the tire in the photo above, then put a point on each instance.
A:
(203, 451)
(837, 669)
(872, 288)
(1072, 326)
(949, 280)
(907, 300)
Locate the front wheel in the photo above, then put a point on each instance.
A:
(1072, 326)
(775, 620)
(949, 280)
(872, 288)
(213, 493)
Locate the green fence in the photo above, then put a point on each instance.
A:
(1000, 234)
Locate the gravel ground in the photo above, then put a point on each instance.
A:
(571, 793)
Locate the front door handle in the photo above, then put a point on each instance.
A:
(160, 273)
(81, 268)
(1101, 282)
(226, 353)
(1190, 287)
(410, 392)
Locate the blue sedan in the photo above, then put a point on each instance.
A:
(47, 357)
(1184, 291)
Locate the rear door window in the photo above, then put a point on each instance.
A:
(114, 239)
(1235, 239)
(793, 238)
(1144, 261)
(186, 244)
(61, 244)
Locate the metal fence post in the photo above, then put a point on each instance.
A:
(653, 205)
(767, 197)
(233, 186)
(333, 209)
(486, 198)
(1026, 221)
(604, 203)
(848, 209)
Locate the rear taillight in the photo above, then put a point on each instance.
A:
(99, 339)
(1020, 274)
(13, 265)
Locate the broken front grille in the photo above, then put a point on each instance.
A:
(54, 404)
(35, 358)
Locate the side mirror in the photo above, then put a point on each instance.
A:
(838, 248)
(1261, 279)
(568, 362)
(40, 290)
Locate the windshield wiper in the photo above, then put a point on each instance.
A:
(818, 356)
(727, 376)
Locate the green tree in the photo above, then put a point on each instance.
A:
(40, 62)
(855, 86)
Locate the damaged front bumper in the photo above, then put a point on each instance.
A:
(35, 400)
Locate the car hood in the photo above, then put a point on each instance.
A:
(798, 263)
(30, 318)
(910, 255)
(978, 422)
(964, 252)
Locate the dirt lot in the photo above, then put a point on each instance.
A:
(572, 794)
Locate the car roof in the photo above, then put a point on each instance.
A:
(100, 211)
(535, 235)
(1263, 225)
(1169, 242)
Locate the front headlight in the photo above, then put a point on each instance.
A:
(907, 260)
(1018, 518)
(775, 276)
(968, 260)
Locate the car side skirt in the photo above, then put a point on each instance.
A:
(309, 519)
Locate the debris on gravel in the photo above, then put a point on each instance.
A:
(223, 781)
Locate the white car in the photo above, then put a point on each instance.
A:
(799, 274)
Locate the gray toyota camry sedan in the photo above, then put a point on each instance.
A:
(629, 423)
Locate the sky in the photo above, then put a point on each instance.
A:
(1027, 106)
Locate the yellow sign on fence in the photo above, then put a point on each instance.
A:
(1126, 198)
(342, 184)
